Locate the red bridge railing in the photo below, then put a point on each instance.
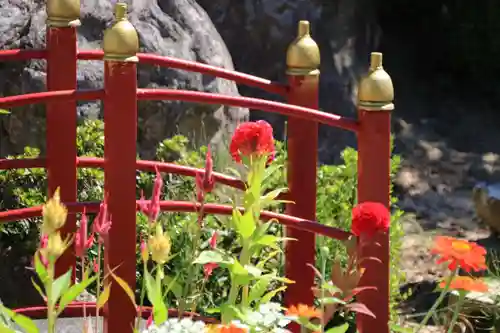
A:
(120, 96)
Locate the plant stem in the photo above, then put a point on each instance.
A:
(83, 276)
(141, 304)
(456, 312)
(437, 303)
(323, 273)
(50, 302)
(244, 259)
(98, 288)
(189, 280)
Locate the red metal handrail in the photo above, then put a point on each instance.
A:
(187, 207)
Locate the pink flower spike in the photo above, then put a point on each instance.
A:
(200, 193)
(154, 207)
(44, 241)
(95, 266)
(102, 222)
(82, 241)
(208, 179)
(213, 240)
(150, 321)
(208, 269)
(143, 206)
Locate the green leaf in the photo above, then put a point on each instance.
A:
(331, 300)
(60, 286)
(271, 196)
(339, 329)
(173, 286)
(206, 257)
(3, 111)
(38, 288)
(4, 329)
(125, 287)
(103, 297)
(74, 291)
(267, 297)
(245, 224)
(155, 295)
(258, 289)
(24, 322)
(40, 269)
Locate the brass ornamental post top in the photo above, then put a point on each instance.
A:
(302, 56)
(376, 92)
(121, 42)
(63, 13)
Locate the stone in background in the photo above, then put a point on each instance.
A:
(178, 28)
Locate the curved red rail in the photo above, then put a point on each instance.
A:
(51, 96)
(95, 162)
(190, 96)
(188, 207)
(163, 61)
(248, 102)
(75, 309)
(9, 55)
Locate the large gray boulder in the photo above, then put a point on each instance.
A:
(178, 28)
(258, 33)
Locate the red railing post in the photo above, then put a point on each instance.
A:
(303, 60)
(61, 121)
(375, 97)
(121, 44)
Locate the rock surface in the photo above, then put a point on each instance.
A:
(258, 33)
(178, 28)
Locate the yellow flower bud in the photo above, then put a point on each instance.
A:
(54, 214)
(55, 246)
(159, 244)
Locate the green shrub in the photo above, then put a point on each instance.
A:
(335, 198)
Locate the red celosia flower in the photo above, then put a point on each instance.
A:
(466, 283)
(82, 241)
(102, 222)
(143, 206)
(252, 138)
(368, 218)
(458, 252)
(303, 311)
(154, 206)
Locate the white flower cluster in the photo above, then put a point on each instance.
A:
(268, 318)
(175, 325)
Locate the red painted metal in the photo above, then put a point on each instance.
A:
(120, 152)
(373, 185)
(188, 207)
(301, 112)
(162, 61)
(61, 129)
(9, 55)
(302, 144)
(75, 310)
(51, 96)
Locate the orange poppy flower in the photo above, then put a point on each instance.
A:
(227, 329)
(466, 283)
(460, 253)
(304, 311)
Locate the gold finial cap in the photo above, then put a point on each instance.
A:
(63, 13)
(302, 56)
(121, 42)
(376, 92)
